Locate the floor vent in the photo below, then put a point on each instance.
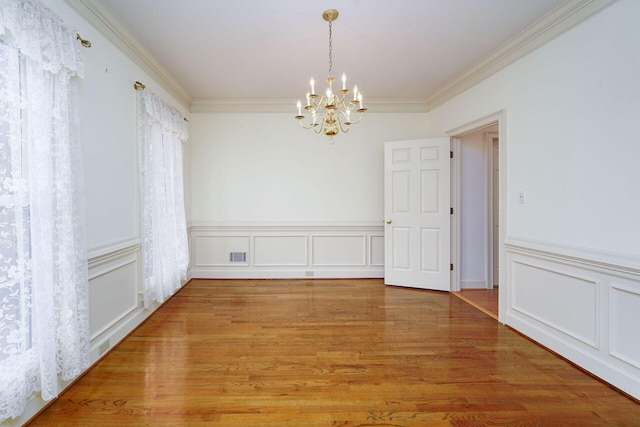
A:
(238, 256)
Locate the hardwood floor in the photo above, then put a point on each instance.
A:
(331, 353)
(485, 300)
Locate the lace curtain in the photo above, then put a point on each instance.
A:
(161, 130)
(44, 322)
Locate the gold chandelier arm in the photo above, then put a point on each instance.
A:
(342, 126)
(317, 127)
(360, 116)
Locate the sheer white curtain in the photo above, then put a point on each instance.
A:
(161, 131)
(44, 322)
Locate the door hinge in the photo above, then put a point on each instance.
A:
(451, 211)
(451, 267)
(451, 154)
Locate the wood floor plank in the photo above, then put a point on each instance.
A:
(331, 353)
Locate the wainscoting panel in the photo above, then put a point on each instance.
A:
(542, 294)
(214, 250)
(376, 254)
(339, 250)
(113, 285)
(581, 303)
(288, 250)
(113, 296)
(280, 251)
(624, 309)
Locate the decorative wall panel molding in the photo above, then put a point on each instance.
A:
(624, 307)
(288, 250)
(583, 304)
(376, 251)
(114, 273)
(280, 250)
(339, 250)
(542, 293)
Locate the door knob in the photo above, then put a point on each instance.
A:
(388, 221)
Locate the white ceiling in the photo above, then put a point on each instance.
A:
(264, 50)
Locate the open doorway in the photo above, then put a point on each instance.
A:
(475, 224)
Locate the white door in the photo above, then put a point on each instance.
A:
(417, 213)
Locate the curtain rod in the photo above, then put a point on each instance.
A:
(83, 42)
(139, 86)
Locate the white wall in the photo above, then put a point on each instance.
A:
(265, 168)
(569, 137)
(572, 133)
(261, 175)
(109, 138)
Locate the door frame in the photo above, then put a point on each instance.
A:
(489, 226)
(499, 118)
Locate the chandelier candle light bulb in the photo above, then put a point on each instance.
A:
(331, 112)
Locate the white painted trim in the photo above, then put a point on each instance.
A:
(113, 29)
(209, 226)
(562, 18)
(488, 146)
(112, 251)
(476, 125)
(456, 237)
(594, 258)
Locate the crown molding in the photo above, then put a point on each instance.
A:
(562, 18)
(113, 29)
(202, 105)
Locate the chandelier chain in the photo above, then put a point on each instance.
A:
(330, 50)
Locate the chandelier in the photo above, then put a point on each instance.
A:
(334, 110)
